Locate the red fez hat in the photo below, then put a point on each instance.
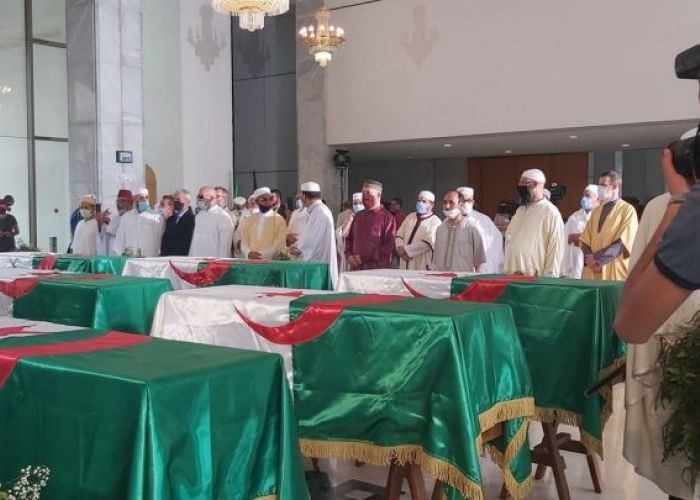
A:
(125, 194)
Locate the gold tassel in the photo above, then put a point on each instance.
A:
(506, 410)
(516, 489)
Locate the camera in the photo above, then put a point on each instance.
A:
(557, 191)
(684, 159)
(688, 64)
(341, 158)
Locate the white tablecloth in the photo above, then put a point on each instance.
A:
(19, 260)
(159, 267)
(15, 327)
(209, 316)
(434, 285)
(8, 274)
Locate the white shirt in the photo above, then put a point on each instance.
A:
(458, 248)
(85, 238)
(213, 233)
(493, 242)
(317, 240)
(139, 233)
(297, 221)
(572, 264)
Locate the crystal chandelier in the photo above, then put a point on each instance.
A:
(323, 39)
(251, 13)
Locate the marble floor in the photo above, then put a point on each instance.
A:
(619, 479)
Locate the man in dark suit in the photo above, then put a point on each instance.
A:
(179, 226)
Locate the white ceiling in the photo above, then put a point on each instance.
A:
(590, 139)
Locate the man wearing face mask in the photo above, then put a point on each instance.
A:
(609, 235)
(213, 229)
(458, 243)
(370, 243)
(179, 227)
(572, 265)
(317, 240)
(88, 232)
(535, 236)
(343, 230)
(297, 221)
(265, 233)
(415, 238)
(140, 230)
(490, 234)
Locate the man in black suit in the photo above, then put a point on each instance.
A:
(179, 226)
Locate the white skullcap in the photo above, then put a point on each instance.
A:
(465, 191)
(356, 196)
(90, 198)
(311, 187)
(239, 200)
(593, 188)
(142, 192)
(534, 174)
(261, 191)
(427, 195)
(547, 194)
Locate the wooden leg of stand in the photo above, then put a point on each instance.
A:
(595, 476)
(539, 472)
(394, 481)
(437, 491)
(415, 482)
(550, 440)
(314, 462)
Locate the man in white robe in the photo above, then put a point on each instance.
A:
(342, 231)
(213, 228)
(124, 203)
(491, 235)
(140, 229)
(297, 221)
(317, 240)
(645, 418)
(265, 233)
(89, 232)
(459, 246)
(415, 239)
(572, 265)
(535, 236)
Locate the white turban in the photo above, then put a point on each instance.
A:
(239, 200)
(311, 187)
(427, 195)
(357, 196)
(593, 188)
(261, 191)
(534, 174)
(467, 192)
(89, 198)
(142, 192)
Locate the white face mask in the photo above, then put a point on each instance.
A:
(604, 193)
(451, 214)
(467, 208)
(254, 210)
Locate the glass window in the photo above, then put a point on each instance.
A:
(13, 92)
(49, 20)
(15, 181)
(53, 209)
(11, 21)
(50, 92)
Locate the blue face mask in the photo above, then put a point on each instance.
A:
(358, 208)
(298, 204)
(421, 208)
(142, 207)
(586, 204)
(201, 205)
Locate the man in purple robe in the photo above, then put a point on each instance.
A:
(371, 240)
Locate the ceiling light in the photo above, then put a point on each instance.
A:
(410, 157)
(448, 145)
(508, 151)
(625, 145)
(573, 137)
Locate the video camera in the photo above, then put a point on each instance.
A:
(688, 151)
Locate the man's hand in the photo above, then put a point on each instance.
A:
(574, 238)
(103, 217)
(355, 261)
(402, 253)
(254, 255)
(590, 260)
(292, 239)
(294, 251)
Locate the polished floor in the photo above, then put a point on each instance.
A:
(619, 479)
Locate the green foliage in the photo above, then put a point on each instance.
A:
(25, 247)
(680, 392)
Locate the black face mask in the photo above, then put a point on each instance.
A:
(524, 194)
(178, 206)
(264, 209)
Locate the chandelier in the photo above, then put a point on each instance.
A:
(323, 39)
(251, 13)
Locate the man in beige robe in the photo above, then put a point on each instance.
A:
(607, 240)
(415, 239)
(265, 233)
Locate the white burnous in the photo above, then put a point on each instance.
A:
(251, 13)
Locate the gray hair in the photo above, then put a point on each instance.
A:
(614, 176)
(185, 193)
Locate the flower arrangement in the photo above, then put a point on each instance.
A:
(28, 485)
(282, 256)
(680, 391)
(22, 246)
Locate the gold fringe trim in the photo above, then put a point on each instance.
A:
(567, 417)
(516, 489)
(506, 410)
(379, 455)
(268, 497)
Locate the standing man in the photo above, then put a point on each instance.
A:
(572, 266)
(87, 235)
(343, 230)
(490, 234)
(371, 239)
(609, 235)
(415, 239)
(8, 228)
(458, 242)
(265, 233)
(317, 239)
(297, 221)
(535, 235)
(179, 226)
(140, 230)
(125, 202)
(396, 208)
(213, 229)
